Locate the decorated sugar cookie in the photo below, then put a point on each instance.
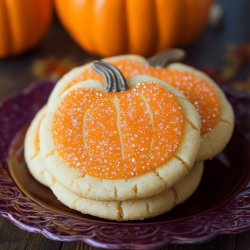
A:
(123, 210)
(217, 118)
(125, 139)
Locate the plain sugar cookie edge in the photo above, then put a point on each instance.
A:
(188, 185)
(33, 159)
(133, 209)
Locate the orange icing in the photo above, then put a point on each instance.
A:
(118, 135)
(200, 93)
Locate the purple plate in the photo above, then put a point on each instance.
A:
(221, 205)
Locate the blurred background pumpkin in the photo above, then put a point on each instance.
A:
(22, 24)
(111, 27)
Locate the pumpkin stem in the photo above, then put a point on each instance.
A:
(115, 81)
(164, 58)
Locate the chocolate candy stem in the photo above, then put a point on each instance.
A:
(115, 81)
(163, 58)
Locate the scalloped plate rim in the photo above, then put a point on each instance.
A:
(104, 245)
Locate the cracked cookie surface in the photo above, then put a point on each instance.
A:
(162, 174)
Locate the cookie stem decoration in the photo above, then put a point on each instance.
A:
(217, 118)
(115, 82)
(164, 58)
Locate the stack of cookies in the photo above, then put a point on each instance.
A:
(125, 138)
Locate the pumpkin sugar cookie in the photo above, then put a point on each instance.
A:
(131, 209)
(217, 118)
(32, 153)
(216, 113)
(127, 141)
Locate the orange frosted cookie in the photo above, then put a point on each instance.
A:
(217, 117)
(125, 139)
(118, 135)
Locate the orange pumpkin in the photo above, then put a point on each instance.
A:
(143, 27)
(22, 24)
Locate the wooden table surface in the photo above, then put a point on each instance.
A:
(18, 72)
